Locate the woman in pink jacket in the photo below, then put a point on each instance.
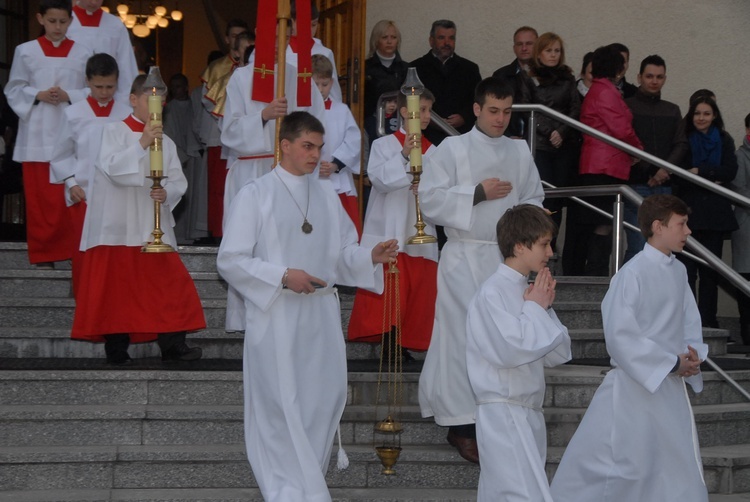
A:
(600, 164)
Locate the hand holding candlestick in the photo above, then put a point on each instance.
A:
(413, 88)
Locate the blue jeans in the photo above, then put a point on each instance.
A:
(636, 241)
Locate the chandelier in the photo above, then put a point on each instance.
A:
(142, 22)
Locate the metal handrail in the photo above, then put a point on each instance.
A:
(630, 150)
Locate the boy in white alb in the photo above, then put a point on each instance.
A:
(287, 241)
(104, 32)
(132, 296)
(512, 335)
(343, 142)
(391, 214)
(47, 75)
(637, 440)
(79, 141)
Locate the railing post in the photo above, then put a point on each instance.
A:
(531, 133)
(617, 234)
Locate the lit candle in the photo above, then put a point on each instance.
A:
(156, 154)
(414, 126)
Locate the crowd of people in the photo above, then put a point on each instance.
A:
(289, 232)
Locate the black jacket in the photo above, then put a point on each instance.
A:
(710, 211)
(453, 85)
(657, 124)
(509, 73)
(379, 79)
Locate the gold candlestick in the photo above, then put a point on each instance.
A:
(413, 88)
(154, 85)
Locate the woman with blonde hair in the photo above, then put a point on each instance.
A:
(385, 71)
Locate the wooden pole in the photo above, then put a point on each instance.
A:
(283, 16)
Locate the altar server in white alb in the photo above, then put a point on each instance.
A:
(391, 214)
(343, 142)
(287, 241)
(638, 440)
(47, 75)
(467, 185)
(79, 141)
(512, 335)
(128, 295)
(247, 132)
(104, 32)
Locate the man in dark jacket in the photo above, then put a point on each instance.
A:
(451, 79)
(523, 47)
(657, 124)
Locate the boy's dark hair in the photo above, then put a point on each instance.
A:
(607, 62)
(659, 207)
(137, 87)
(498, 88)
(586, 60)
(747, 121)
(236, 23)
(101, 65)
(321, 66)
(401, 98)
(314, 12)
(297, 123)
(653, 59)
(179, 76)
(620, 47)
(523, 224)
(442, 23)
(66, 5)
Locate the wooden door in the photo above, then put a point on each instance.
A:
(342, 29)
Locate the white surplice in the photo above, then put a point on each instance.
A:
(110, 37)
(637, 440)
(78, 143)
(470, 256)
(117, 217)
(294, 353)
(509, 343)
(244, 134)
(32, 72)
(343, 140)
(391, 210)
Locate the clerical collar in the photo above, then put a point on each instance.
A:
(99, 109)
(134, 124)
(86, 18)
(484, 134)
(52, 49)
(657, 254)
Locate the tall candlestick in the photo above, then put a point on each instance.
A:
(414, 126)
(156, 154)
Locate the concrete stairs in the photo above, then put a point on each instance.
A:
(174, 435)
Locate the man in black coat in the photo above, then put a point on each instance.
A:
(451, 79)
(523, 47)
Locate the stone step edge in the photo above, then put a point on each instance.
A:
(713, 456)
(235, 495)
(361, 413)
(565, 375)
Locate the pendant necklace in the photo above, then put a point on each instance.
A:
(306, 226)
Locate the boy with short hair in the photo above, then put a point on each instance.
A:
(287, 241)
(47, 75)
(391, 214)
(79, 141)
(512, 335)
(637, 440)
(343, 141)
(131, 296)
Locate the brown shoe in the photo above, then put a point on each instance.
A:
(467, 447)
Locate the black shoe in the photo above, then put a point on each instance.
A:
(119, 360)
(182, 353)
